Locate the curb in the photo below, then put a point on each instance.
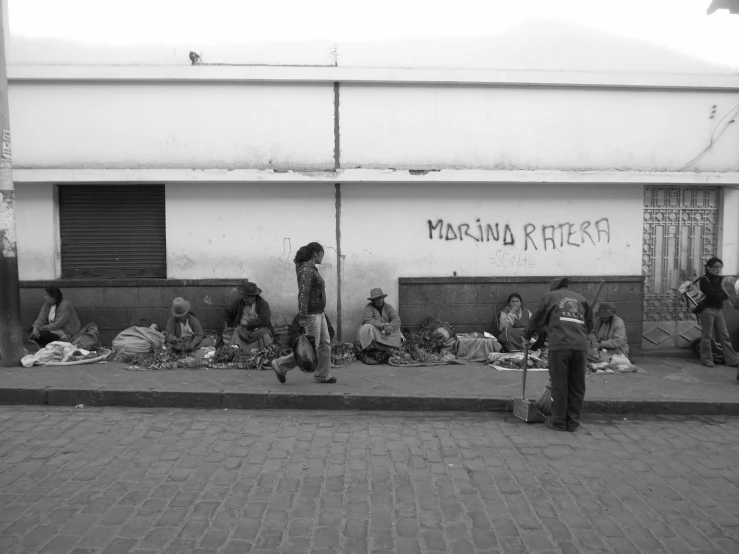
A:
(237, 400)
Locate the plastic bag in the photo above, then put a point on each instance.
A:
(87, 337)
(305, 355)
(138, 340)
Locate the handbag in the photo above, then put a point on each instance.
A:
(693, 295)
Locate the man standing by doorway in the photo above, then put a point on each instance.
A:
(570, 320)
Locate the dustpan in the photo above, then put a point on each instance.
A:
(523, 408)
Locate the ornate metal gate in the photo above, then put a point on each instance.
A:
(680, 233)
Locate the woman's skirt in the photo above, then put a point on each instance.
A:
(250, 339)
(371, 337)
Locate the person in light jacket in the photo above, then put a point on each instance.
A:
(57, 320)
(380, 329)
(609, 332)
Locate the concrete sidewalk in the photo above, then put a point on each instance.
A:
(669, 386)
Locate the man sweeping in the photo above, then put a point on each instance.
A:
(570, 321)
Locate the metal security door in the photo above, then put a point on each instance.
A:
(680, 233)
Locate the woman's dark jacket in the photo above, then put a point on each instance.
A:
(311, 290)
(233, 313)
(710, 285)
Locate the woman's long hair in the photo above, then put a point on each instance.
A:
(305, 253)
(55, 293)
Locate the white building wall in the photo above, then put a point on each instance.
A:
(37, 231)
(251, 231)
(200, 125)
(291, 126)
(541, 230)
(433, 127)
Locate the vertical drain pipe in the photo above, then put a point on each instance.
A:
(337, 167)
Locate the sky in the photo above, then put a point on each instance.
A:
(679, 24)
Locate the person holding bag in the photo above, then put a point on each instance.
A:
(290, 361)
(311, 303)
(711, 316)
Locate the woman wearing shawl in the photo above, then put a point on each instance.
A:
(381, 327)
(57, 320)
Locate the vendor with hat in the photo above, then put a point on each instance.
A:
(380, 331)
(609, 332)
(250, 319)
(184, 333)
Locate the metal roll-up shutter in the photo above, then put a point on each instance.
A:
(112, 231)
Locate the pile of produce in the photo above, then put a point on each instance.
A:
(256, 358)
(343, 353)
(423, 347)
(161, 360)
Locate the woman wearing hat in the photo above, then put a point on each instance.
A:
(251, 319)
(184, 333)
(380, 330)
(609, 332)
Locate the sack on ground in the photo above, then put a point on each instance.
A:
(138, 340)
(305, 355)
(621, 362)
(87, 337)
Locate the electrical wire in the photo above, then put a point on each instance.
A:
(714, 138)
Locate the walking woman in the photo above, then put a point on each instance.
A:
(311, 304)
(711, 316)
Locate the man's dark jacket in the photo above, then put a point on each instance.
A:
(233, 313)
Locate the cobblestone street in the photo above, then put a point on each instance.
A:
(131, 480)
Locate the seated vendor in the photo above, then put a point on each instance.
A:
(512, 321)
(609, 332)
(184, 333)
(57, 320)
(248, 319)
(380, 330)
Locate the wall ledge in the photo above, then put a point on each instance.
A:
(361, 175)
(518, 279)
(118, 283)
(369, 75)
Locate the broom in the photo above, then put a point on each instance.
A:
(544, 402)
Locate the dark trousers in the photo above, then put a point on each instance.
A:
(567, 372)
(45, 337)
